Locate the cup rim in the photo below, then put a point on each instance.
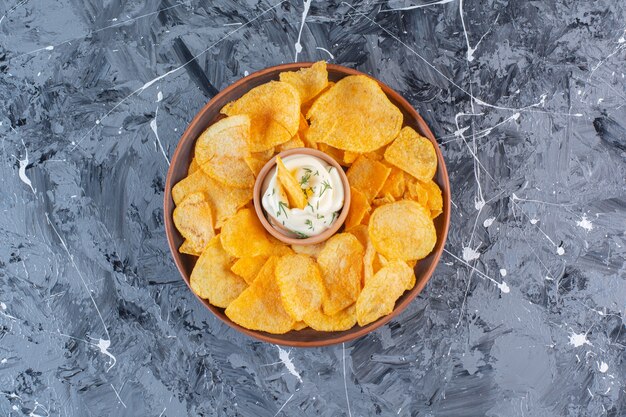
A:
(258, 189)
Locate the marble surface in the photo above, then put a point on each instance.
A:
(525, 313)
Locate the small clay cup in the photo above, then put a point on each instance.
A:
(276, 230)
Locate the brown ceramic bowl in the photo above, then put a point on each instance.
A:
(181, 159)
(279, 232)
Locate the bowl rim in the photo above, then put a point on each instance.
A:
(258, 189)
(332, 338)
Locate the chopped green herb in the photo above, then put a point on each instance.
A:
(305, 178)
(309, 223)
(300, 234)
(325, 186)
(282, 207)
(317, 173)
(309, 205)
(319, 216)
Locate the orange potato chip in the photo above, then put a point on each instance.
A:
(274, 110)
(341, 262)
(366, 218)
(372, 261)
(343, 320)
(225, 200)
(194, 221)
(381, 201)
(291, 186)
(243, 236)
(248, 268)
(394, 185)
(308, 81)
(350, 157)
(257, 160)
(411, 283)
(230, 171)
(368, 176)
(226, 137)
(307, 105)
(259, 307)
(435, 201)
(379, 295)
(336, 154)
(413, 153)
(299, 325)
(300, 284)
(193, 166)
(293, 143)
(402, 230)
(189, 249)
(211, 277)
(354, 115)
(311, 250)
(360, 232)
(358, 208)
(416, 191)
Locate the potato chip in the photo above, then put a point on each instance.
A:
(300, 283)
(358, 208)
(243, 236)
(226, 137)
(415, 190)
(259, 307)
(308, 81)
(349, 157)
(274, 110)
(394, 185)
(293, 143)
(189, 249)
(307, 105)
(257, 160)
(311, 250)
(225, 200)
(402, 230)
(413, 153)
(193, 166)
(341, 262)
(379, 295)
(435, 201)
(230, 171)
(368, 176)
(372, 262)
(360, 232)
(299, 325)
(343, 320)
(211, 277)
(354, 115)
(291, 186)
(411, 283)
(381, 201)
(194, 221)
(248, 267)
(366, 218)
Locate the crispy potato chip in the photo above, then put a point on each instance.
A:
(402, 230)
(415, 191)
(349, 157)
(299, 325)
(274, 110)
(248, 268)
(358, 208)
(291, 186)
(354, 115)
(300, 283)
(306, 106)
(293, 143)
(341, 262)
(308, 81)
(366, 218)
(243, 236)
(257, 160)
(194, 221)
(189, 249)
(311, 250)
(372, 261)
(193, 166)
(230, 171)
(360, 232)
(212, 279)
(413, 153)
(226, 137)
(394, 185)
(435, 201)
(411, 283)
(224, 200)
(259, 307)
(381, 201)
(343, 320)
(368, 176)
(379, 295)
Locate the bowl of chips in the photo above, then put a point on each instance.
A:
(297, 293)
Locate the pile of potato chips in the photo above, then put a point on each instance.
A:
(357, 275)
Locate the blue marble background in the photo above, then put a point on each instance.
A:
(524, 315)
